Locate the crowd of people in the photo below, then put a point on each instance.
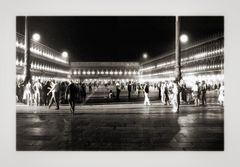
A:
(47, 92)
(169, 92)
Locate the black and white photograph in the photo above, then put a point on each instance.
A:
(120, 83)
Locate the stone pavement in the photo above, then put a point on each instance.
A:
(120, 127)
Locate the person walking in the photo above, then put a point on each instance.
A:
(163, 92)
(139, 88)
(159, 91)
(84, 93)
(146, 93)
(90, 87)
(55, 95)
(28, 93)
(129, 90)
(70, 95)
(46, 86)
(176, 96)
(196, 93)
(166, 94)
(203, 92)
(37, 87)
(118, 90)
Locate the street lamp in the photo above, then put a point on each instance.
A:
(64, 54)
(36, 37)
(145, 56)
(183, 38)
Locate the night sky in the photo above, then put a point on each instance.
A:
(117, 38)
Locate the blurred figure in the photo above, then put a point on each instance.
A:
(146, 93)
(203, 92)
(163, 92)
(134, 87)
(176, 96)
(129, 90)
(83, 93)
(55, 95)
(37, 87)
(27, 95)
(118, 90)
(20, 90)
(110, 94)
(166, 94)
(196, 93)
(46, 86)
(71, 95)
(159, 91)
(122, 86)
(139, 88)
(183, 93)
(90, 87)
(221, 95)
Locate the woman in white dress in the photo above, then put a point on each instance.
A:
(27, 93)
(146, 92)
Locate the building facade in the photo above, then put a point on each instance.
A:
(104, 71)
(46, 63)
(202, 61)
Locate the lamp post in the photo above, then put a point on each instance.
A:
(27, 65)
(178, 74)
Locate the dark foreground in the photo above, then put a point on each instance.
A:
(120, 127)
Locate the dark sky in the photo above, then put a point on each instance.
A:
(117, 38)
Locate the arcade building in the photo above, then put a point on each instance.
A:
(200, 61)
(105, 71)
(46, 63)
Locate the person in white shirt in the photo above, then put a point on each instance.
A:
(55, 94)
(146, 93)
(163, 86)
(27, 93)
(37, 86)
(176, 96)
(196, 93)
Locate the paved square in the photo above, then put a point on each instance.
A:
(120, 127)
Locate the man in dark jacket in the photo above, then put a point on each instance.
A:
(129, 90)
(71, 95)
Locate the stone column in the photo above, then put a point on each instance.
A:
(178, 74)
(27, 63)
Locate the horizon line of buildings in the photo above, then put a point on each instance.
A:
(201, 61)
